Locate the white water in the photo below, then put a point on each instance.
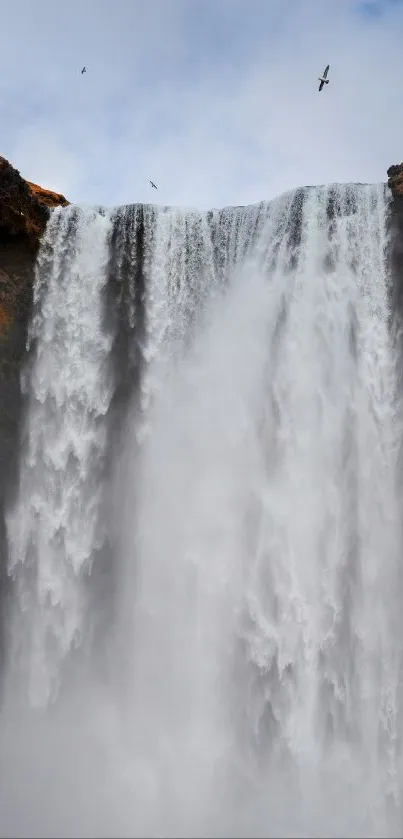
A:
(54, 529)
(255, 687)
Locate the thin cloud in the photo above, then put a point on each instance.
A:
(218, 103)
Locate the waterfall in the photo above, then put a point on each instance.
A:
(251, 505)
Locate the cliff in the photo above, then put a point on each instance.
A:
(395, 180)
(24, 206)
(395, 249)
(24, 210)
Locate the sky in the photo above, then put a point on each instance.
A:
(215, 100)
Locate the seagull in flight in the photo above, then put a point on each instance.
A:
(323, 79)
(153, 185)
(84, 70)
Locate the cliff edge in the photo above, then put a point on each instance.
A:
(24, 206)
(395, 180)
(24, 210)
(395, 246)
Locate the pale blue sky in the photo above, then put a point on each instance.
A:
(215, 100)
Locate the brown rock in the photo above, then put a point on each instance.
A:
(395, 180)
(24, 205)
(46, 196)
(24, 210)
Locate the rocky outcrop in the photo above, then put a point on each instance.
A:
(395, 180)
(24, 207)
(24, 210)
(46, 196)
(395, 250)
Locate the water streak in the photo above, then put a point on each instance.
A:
(55, 527)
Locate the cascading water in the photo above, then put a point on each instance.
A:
(254, 524)
(55, 527)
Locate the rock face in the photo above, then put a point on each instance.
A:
(24, 210)
(24, 205)
(395, 254)
(395, 180)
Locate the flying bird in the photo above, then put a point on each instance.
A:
(84, 70)
(153, 185)
(324, 80)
